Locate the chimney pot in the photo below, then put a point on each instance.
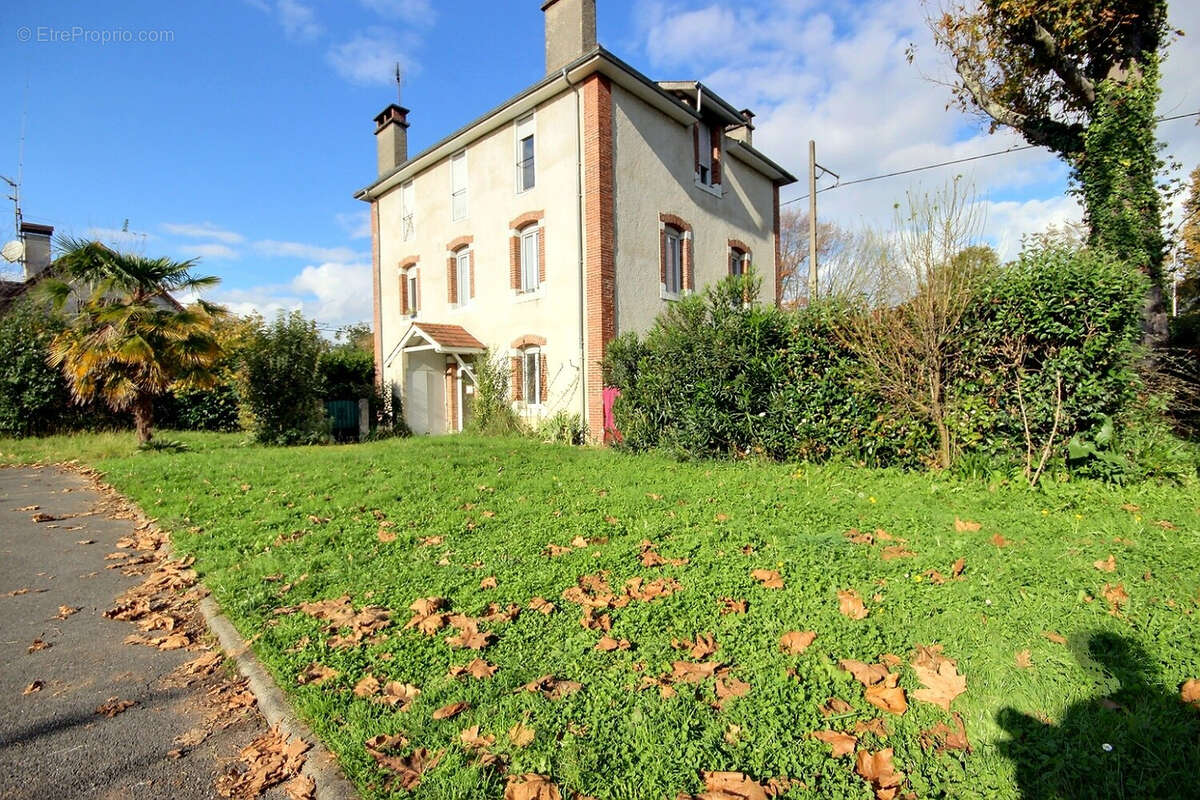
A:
(570, 31)
(391, 137)
(37, 247)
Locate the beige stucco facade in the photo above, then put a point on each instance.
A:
(614, 154)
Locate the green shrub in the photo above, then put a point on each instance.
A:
(214, 409)
(562, 428)
(492, 413)
(281, 382)
(33, 395)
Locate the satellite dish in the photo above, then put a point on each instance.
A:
(13, 251)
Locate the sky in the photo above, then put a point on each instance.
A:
(237, 131)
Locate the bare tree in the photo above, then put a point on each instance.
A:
(908, 347)
(836, 248)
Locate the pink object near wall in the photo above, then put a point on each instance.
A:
(611, 434)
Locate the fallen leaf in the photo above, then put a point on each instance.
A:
(1057, 638)
(729, 687)
(300, 787)
(65, 611)
(957, 568)
(732, 606)
(835, 706)
(607, 644)
(176, 641)
(541, 605)
(399, 695)
(1166, 525)
(733, 734)
(966, 526)
(472, 740)
(703, 646)
(408, 769)
(842, 743)
(875, 726)
(887, 695)
(38, 644)
(896, 551)
(478, 668)
(730, 786)
(450, 710)
(1024, 659)
(689, 672)
(866, 674)
(1000, 541)
(1116, 597)
(86, 541)
(850, 604)
(859, 537)
(550, 687)
(367, 686)
(878, 770)
(315, 674)
(36, 686)
(470, 637)
(942, 737)
(112, 706)
(612, 520)
(769, 578)
(385, 536)
(488, 582)
(520, 735)
(796, 642)
(940, 676)
(1109, 565)
(531, 786)
(1190, 692)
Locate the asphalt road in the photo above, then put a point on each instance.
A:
(53, 744)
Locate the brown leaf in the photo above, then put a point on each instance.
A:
(112, 706)
(966, 526)
(385, 536)
(835, 706)
(940, 676)
(555, 550)
(595, 622)
(1190, 692)
(1057, 638)
(399, 695)
(38, 644)
(1024, 659)
(878, 771)
(470, 637)
(488, 583)
(408, 769)
(729, 687)
(896, 551)
(471, 739)
(551, 688)
(450, 710)
(866, 674)
(1000, 541)
(887, 695)
(1109, 565)
(65, 611)
(957, 568)
(942, 737)
(731, 786)
(796, 642)
(478, 669)
(520, 735)
(36, 686)
(541, 605)
(300, 787)
(769, 578)
(1116, 597)
(315, 674)
(850, 604)
(703, 647)
(859, 537)
(732, 606)
(875, 726)
(843, 744)
(531, 787)
(688, 672)
(367, 686)
(607, 644)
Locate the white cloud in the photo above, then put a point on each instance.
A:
(333, 293)
(357, 224)
(832, 73)
(202, 230)
(299, 21)
(370, 58)
(209, 250)
(277, 249)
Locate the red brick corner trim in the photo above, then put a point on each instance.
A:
(600, 273)
(376, 291)
(528, 218)
(528, 340)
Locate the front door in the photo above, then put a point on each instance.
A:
(425, 398)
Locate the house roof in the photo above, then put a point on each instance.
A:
(448, 338)
(10, 292)
(596, 60)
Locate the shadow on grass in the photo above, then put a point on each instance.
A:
(1136, 740)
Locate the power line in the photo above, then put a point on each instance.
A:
(950, 163)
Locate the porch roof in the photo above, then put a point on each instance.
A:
(444, 338)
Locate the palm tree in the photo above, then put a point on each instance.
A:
(127, 341)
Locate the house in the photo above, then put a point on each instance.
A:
(573, 212)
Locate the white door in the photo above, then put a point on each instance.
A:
(425, 400)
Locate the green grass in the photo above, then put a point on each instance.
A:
(1036, 732)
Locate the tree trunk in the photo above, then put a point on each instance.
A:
(143, 418)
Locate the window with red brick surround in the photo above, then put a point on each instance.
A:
(527, 232)
(739, 256)
(458, 248)
(673, 229)
(410, 293)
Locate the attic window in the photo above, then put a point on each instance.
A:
(704, 151)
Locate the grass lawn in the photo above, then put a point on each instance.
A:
(1072, 662)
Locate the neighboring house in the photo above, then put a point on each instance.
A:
(38, 264)
(573, 212)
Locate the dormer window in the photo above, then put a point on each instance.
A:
(707, 140)
(705, 154)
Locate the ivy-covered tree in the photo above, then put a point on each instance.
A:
(1080, 78)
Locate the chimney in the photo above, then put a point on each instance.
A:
(391, 137)
(37, 247)
(745, 132)
(570, 31)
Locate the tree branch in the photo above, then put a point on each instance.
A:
(1050, 54)
(1057, 136)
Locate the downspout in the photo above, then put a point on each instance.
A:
(583, 409)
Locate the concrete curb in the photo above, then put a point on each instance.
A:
(320, 765)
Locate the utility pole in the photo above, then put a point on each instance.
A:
(812, 221)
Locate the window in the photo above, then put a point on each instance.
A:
(737, 261)
(673, 260)
(531, 374)
(530, 259)
(458, 187)
(705, 151)
(463, 275)
(407, 205)
(410, 282)
(526, 173)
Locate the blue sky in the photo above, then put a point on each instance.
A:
(241, 138)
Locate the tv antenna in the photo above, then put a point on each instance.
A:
(400, 81)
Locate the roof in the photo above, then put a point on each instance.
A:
(10, 292)
(596, 60)
(447, 338)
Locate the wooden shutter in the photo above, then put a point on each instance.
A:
(696, 147)
(404, 293)
(662, 257)
(685, 250)
(514, 262)
(541, 255)
(544, 381)
(715, 134)
(472, 263)
(452, 279)
(518, 390)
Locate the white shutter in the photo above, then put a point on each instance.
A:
(458, 184)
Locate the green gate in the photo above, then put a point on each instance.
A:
(344, 416)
